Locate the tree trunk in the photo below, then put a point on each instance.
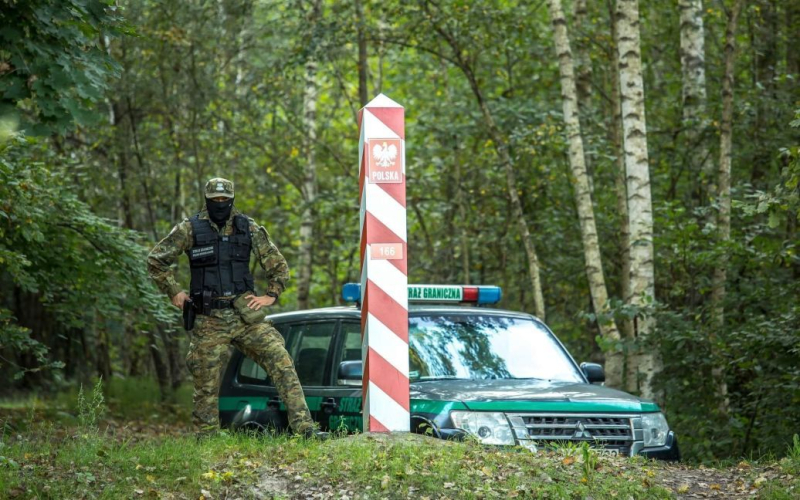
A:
(583, 63)
(620, 190)
(693, 68)
(362, 54)
(103, 354)
(583, 79)
(634, 125)
(724, 202)
(172, 350)
(462, 215)
(309, 189)
(162, 374)
(583, 198)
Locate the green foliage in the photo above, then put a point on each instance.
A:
(53, 63)
(91, 411)
(18, 339)
(79, 265)
(782, 203)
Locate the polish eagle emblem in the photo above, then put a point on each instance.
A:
(384, 155)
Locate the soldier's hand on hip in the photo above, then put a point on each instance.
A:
(179, 299)
(259, 302)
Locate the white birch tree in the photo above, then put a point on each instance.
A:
(693, 69)
(309, 183)
(583, 197)
(640, 211)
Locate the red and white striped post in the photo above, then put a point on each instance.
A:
(384, 266)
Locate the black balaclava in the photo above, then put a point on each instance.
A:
(219, 211)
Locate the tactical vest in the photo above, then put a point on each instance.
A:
(220, 263)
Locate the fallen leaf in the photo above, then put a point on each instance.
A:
(447, 486)
(715, 487)
(150, 478)
(486, 471)
(385, 482)
(758, 482)
(568, 460)
(684, 488)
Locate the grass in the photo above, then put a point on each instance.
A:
(49, 464)
(120, 443)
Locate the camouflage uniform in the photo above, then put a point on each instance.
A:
(208, 350)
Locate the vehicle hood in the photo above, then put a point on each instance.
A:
(529, 395)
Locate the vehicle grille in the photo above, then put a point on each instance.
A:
(604, 431)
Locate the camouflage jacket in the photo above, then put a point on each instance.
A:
(162, 260)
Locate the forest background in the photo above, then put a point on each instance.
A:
(114, 114)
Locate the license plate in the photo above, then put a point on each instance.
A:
(607, 452)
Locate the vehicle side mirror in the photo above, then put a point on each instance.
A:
(350, 373)
(594, 372)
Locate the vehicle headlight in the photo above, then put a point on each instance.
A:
(488, 427)
(655, 429)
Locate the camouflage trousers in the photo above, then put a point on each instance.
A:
(208, 355)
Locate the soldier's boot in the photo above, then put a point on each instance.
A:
(316, 434)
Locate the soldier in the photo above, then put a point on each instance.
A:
(218, 241)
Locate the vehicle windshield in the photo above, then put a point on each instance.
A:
(479, 347)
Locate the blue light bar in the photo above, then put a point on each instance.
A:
(351, 292)
(489, 294)
(481, 295)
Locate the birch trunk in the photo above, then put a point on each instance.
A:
(309, 187)
(634, 125)
(309, 191)
(583, 79)
(693, 68)
(724, 201)
(583, 197)
(583, 63)
(621, 192)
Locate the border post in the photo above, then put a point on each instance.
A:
(384, 266)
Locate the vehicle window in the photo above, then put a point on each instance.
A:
(310, 345)
(485, 347)
(351, 350)
(251, 373)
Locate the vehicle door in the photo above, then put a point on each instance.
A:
(310, 345)
(248, 395)
(343, 398)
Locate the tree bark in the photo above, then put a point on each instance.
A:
(162, 374)
(583, 197)
(693, 69)
(634, 125)
(309, 189)
(724, 202)
(462, 215)
(583, 79)
(362, 54)
(173, 358)
(620, 190)
(583, 63)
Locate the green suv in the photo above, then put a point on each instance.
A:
(500, 376)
